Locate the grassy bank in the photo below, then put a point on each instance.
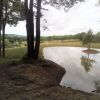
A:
(15, 54)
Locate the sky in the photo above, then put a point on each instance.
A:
(80, 18)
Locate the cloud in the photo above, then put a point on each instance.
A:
(19, 29)
(79, 18)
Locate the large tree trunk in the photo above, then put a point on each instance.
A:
(0, 39)
(37, 44)
(29, 28)
(0, 23)
(0, 36)
(4, 25)
(89, 44)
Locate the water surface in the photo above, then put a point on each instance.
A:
(82, 70)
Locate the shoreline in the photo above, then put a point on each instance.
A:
(38, 81)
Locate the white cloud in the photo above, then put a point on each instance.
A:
(20, 29)
(79, 18)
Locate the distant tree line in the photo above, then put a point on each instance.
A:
(79, 36)
(15, 38)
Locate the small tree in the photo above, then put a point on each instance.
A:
(10, 13)
(87, 39)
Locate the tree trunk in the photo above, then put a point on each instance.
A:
(37, 44)
(89, 45)
(0, 38)
(3, 40)
(89, 42)
(0, 22)
(29, 28)
(4, 25)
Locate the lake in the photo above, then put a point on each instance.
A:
(82, 69)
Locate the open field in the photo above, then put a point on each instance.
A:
(74, 43)
(15, 54)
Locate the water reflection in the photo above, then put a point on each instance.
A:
(97, 86)
(82, 70)
(87, 62)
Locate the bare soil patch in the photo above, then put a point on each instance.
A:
(91, 51)
(39, 81)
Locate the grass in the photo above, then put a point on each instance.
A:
(15, 54)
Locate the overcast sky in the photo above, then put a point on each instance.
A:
(79, 18)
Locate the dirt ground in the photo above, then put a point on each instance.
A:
(38, 81)
(91, 51)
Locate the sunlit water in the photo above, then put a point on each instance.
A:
(82, 70)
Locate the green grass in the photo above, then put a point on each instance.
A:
(15, 54)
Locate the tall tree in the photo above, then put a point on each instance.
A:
(11, 14)
(88, 38)
(38, 16)
(1, 5)
(30, 28)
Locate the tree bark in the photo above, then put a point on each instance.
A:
(0, 37)
(3, 26)
(1, 4)
(37, 44)
(30, 28)
(3, 40)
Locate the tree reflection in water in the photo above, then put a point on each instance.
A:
(87, 62)
(97, 86)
